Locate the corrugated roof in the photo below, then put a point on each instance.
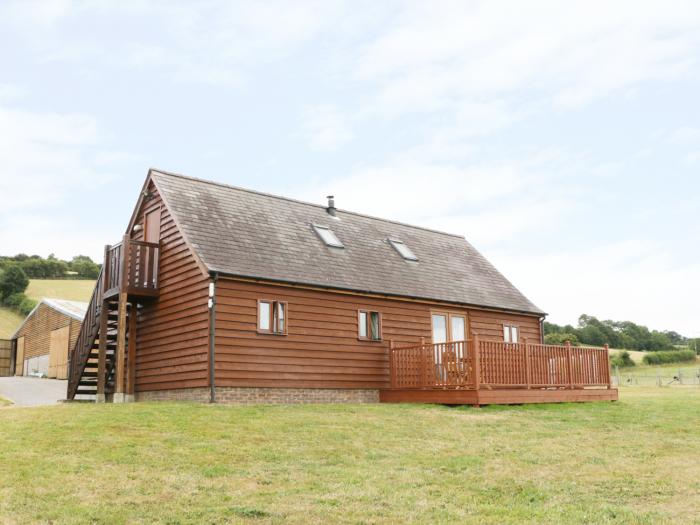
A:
(74, 309)
(246, 233)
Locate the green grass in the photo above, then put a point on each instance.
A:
(635, 461)
(9, 321)
(71, 290)
(4, 402)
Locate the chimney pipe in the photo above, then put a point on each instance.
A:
(331, 206)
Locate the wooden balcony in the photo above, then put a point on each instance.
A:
(493, 372)
(131, 267)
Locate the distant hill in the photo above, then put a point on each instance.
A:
(72, 290)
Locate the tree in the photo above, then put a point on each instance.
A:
(13, 280)
(84, 267)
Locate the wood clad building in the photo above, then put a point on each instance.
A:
(43, 341)
(218, 293)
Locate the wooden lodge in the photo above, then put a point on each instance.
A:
(221, 294)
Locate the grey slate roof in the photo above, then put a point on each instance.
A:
(250, 234)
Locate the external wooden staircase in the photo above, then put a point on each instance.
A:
(102, 363)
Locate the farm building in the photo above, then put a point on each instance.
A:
(222, 294)
(43, 341)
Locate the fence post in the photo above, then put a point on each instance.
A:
(568, 364)
(527, 363)
(477, 365)
(422, 358)
(680, 376)
(658, 378)
(617, 374)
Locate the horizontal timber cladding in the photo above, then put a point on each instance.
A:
(172, 341)
(38, 327)
(322, 348)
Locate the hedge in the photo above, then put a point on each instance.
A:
(675, 356)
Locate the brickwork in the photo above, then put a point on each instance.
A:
(249, 396)
(200, 395)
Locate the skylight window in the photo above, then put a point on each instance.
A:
(328, 236)
(403, 250)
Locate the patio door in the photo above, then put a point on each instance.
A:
(449, 327)
(449, 359)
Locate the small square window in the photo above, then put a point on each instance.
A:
(272, 317)
(369, 325)
(510, 333)
(327, 236)
(403, 250)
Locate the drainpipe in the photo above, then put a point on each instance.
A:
(541, 330)
(214, 276)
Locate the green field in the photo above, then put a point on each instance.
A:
(634, 461)
(72, 290)
(9, 321)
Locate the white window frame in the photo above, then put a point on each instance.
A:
(328, 236)
(403, 249)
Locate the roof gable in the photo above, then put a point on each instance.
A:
(250, 234)
(73, 309)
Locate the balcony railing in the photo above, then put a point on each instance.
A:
(131, 267)
(474, 364)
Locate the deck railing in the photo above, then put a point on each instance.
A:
(131, 267)
(474, 364)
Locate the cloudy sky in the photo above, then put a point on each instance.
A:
(561, 138)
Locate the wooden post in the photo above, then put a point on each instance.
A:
(131, 358)
(124, 269)
(607, 361)
(477, 364)
(527, 363)
(568, 363)
(121, 348)
(102, 354)
(106, 269)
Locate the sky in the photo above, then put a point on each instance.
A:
(562, 139)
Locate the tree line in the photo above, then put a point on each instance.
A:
(618, 334)
(37, 267)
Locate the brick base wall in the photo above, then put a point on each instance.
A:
(200, 395)
(250, 396)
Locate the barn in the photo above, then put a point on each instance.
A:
(42, 342)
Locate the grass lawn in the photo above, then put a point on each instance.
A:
(634, 461)
(71, 290)
(4, 402)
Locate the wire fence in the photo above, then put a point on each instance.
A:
(660, 377)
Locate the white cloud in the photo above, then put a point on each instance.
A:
(325, 128)
(212, 42)
(633, 280)
(44, 156)
(485, 65)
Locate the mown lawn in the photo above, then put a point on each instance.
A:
(635, 461)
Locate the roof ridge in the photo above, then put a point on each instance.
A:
(298, 201)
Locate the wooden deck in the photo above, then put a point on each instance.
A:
(475, 372)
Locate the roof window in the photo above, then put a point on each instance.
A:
(327, 236)
(403, 250)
